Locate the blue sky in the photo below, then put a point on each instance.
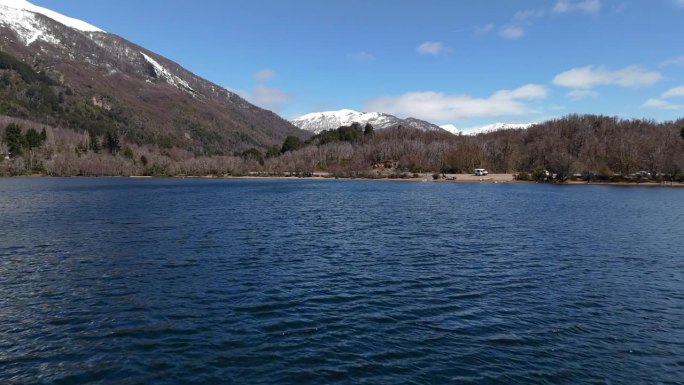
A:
(467, 63)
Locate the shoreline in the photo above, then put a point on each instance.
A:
(451, 178)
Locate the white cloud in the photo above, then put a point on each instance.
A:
(586, 6)
(512, 32)
(528, 15)
(361, 56)
(431, 48)
(674, 61)
(265, 74)
(591, 76)
(582, 93)
(273, 99)
(516, 28)
(661, 104)
(674, 92)
(442, 107)
(528, 91)
(486, 28)
(521, 20)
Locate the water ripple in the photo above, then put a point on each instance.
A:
(111, 281)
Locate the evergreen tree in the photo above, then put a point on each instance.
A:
(43, 135)
(350, 133)
(14, 139)
(255, 154)
(368, 130)
(291, 143)
(32, 139)
(112, 142)
(93, 142)
(356, 126)
(273, 151)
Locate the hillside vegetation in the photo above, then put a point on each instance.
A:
(586, 146)
(103, 84)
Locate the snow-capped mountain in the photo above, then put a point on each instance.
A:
(330, 120)
(22, 16)
(159, 101)
(451, 128)
(496, 127)
(487, 128)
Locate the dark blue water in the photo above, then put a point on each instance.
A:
(118, 281)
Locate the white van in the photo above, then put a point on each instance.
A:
(481, 172)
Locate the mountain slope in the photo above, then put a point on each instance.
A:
(330, 120)
(152, 99)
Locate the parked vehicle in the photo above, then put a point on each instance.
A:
(481, 172)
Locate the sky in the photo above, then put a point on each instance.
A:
(468, 62)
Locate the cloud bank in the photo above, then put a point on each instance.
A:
(662, 103)
(442, 107)
(590, 76)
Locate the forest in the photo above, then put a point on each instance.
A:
(577, 146)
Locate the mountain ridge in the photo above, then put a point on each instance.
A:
(166, 105)
(486, 128)
(316, 122)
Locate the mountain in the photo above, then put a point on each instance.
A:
(330, 120)
(487, 128)
(496, 127)
(451, 128)
(77, 76)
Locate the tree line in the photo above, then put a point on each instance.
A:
(585, 146)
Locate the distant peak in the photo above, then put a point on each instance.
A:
(496, 127)
(329, 120)
(68, 21)
(451, 128)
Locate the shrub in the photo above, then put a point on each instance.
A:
(523, 176)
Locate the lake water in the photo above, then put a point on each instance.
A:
(121, 281)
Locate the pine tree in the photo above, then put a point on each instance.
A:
(93, 142)
(291, 143)
(112, 142)
(273, 151)
(32, 139)
(14, 139)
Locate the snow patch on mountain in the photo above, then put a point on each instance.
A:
(451, 128)
(496, 127)
(23, 5)
(165, 74)
(330, 120)
(27, 26)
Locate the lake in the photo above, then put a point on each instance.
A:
(124, 281)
